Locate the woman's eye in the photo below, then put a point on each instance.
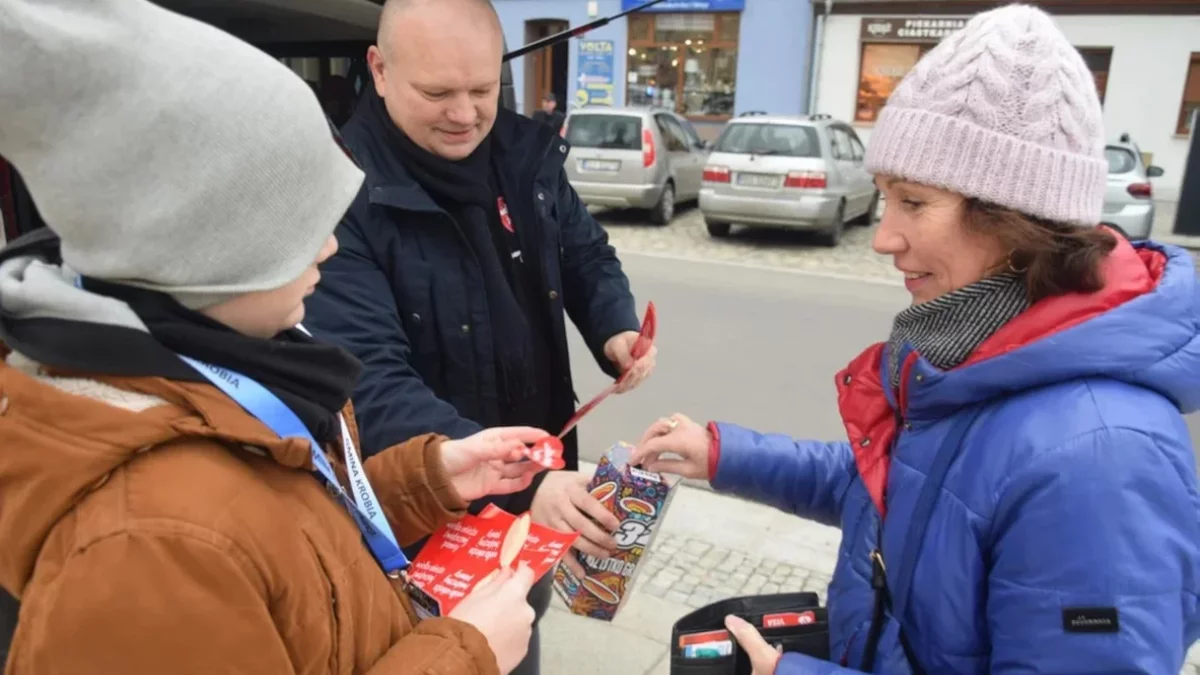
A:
(912, 203)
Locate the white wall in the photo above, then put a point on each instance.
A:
(1145, 81)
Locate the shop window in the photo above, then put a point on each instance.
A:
(1098, 60)
(1191, 96)
(684, 62)
(883, 65)
(881, 68)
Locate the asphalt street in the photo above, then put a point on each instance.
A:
(759, 347)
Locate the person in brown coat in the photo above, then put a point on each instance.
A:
(180, 485)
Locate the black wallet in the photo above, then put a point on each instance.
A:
(810, 638)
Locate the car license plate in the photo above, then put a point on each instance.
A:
(601, 165)
(762, 180)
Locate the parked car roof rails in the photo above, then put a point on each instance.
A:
(753, 113)
(820, 116)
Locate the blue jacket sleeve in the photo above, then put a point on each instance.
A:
(596, 292)
(807, 478)
(354, 307)
(1108, 522)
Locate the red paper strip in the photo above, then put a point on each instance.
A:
(640, 348)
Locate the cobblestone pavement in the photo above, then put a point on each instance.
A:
(696, 573)
(687, 237)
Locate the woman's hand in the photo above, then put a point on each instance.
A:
(499, 609)
(676, 435)
(491, 462)
(764, 658)
(563, 503)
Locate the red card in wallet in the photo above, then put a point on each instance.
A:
(461, 555)
(786, 619)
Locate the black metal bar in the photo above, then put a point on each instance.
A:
(1187, 214)
(574, 32)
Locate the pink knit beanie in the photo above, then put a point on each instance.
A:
(1004, 110)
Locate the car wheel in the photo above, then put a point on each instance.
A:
(868, 218)
(832, 236)
(718, 230)
(664, 210)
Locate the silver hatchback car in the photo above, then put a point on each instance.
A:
(788, 171)
(1129, 199)
(638, 158)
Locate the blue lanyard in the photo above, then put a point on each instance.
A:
(363, 506)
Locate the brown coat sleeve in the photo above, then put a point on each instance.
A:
(413, 488)
(439, 647)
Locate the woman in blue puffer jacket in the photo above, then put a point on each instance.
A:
(1018, 493)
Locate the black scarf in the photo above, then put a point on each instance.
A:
(468, 190)
(315, 380)
(949, 328)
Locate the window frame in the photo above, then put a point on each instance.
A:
(716, 42)
(1108, 52)
(922, 49)
(1181, 125)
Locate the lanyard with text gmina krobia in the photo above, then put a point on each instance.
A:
(363, 506)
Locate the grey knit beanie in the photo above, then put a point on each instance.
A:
(165, 153)
(1004, 110)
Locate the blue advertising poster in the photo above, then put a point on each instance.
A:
(595, 72)
(688, 5)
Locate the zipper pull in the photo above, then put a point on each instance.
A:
(878, 571)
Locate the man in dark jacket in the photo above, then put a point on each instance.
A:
(549, 114)
(460, 257)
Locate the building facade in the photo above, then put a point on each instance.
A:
(1144, 56)
(706, 59)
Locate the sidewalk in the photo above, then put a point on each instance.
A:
(709, 547)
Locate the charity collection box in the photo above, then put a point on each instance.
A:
(639, 499)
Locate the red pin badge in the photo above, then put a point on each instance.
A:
(548, 452)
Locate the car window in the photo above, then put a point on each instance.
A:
(690, 131)
(788, 140)
(840, 143)
(856, 146)
(613, 132)
(672, 133)
(1120, 160)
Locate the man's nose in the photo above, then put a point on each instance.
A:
(461, 110)
(887, 239)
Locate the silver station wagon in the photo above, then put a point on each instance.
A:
(638, 158)
(1129, 200)
(803, 172)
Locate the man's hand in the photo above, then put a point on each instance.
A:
(563, 503)
(491, 462)
(764, 658)
(618, 350)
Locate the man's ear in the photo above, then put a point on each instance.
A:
(377, 64)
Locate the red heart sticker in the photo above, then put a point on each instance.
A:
(548, 452)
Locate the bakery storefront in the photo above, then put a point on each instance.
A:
(890, 46)
(1145, 63)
